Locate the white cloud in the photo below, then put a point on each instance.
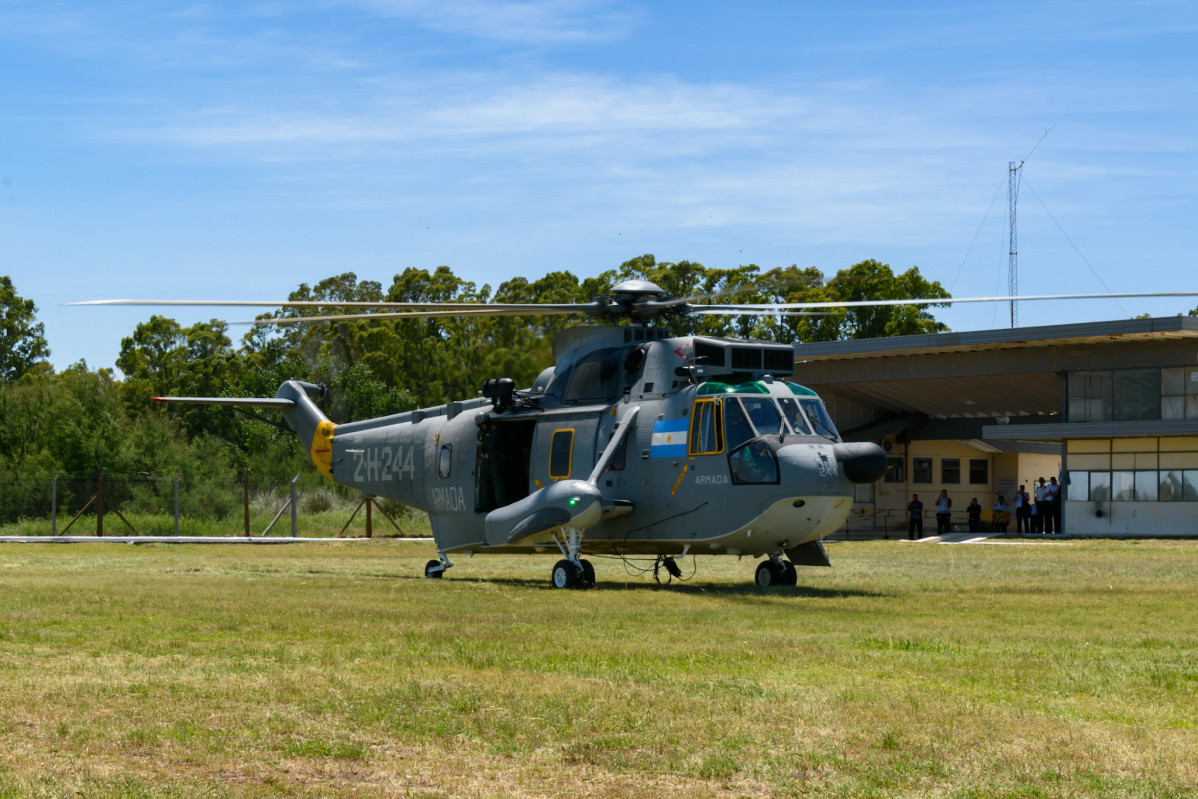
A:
(527, 21)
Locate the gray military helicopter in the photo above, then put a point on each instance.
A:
(634, 443)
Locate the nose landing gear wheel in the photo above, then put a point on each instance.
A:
(588, 574)
(566, 575)
(768, 574)
(776, 572)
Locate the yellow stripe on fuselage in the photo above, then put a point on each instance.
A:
(322, 447)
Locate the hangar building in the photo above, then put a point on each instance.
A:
(1111, 408)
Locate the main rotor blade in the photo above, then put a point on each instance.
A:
(721, 310)
(954, 300)
(478, 309)
(513, 307)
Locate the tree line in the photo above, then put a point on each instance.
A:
(81, 420)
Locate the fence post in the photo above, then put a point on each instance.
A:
(176, 505)
(54, 504)
(294, 505)
(246, 485)
(100, 506)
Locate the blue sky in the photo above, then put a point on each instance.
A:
(234, 150)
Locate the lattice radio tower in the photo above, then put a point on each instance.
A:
(1013, 170)
(1013, 263)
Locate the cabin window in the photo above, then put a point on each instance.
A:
(561, 452)
(707, 429)
(446, 459)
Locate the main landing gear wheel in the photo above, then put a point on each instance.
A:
(565, 574)
(776, 572)
(568, 574)
(433, 570)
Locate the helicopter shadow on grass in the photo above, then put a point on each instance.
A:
(746, 591)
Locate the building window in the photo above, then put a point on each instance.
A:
(1100, 486)
(1179, 393)
(896, 471)
(1170, 489)
(1190, 485)
(979, 472)
(1122, 486)
(1137, 395)
(921, 470)
(1090, 396)
(1146, 486)
(950, 470)
(1079, 485)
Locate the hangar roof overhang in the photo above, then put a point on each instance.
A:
(1012, 373)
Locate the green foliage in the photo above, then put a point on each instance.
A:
(80, 422)
(22, 337)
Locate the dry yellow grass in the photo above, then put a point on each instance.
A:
(336, 670)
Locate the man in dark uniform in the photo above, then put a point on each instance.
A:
(914, 518)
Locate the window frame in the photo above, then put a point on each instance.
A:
(701, 416)
(554, 451)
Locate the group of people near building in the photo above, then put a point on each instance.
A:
(1044, 514)
(1041, 516)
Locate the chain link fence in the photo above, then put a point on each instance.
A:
(238, 504)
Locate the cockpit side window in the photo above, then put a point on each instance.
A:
(707, 432)
(764, 415)
(798, 423)
(818, 415)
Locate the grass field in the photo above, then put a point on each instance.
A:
(335, 670)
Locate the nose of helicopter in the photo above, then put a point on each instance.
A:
(861, 461)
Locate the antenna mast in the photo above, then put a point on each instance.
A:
(1012, 199)
(1013, 273)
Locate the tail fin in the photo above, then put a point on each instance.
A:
(294, 399)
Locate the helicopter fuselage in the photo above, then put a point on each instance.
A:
(718, 458)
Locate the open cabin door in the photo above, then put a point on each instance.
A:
(502, 463)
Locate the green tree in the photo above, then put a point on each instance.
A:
(22, 337)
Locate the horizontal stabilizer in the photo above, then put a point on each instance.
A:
(244, 402)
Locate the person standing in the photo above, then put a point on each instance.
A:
(1000, 516)
(1042, 506)
(914, 518)
(974, 512)
(1054, 505)
(1023, 511)
(944, 506)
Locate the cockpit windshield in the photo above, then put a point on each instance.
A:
(764, 415)
(818, 415)
(790, 409)
(737, 429)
